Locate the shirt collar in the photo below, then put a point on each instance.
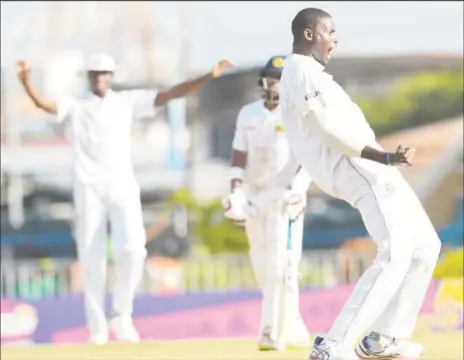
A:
(270, 111)
(91, 96)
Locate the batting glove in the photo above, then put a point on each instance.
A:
(295, 203)
(237, 207)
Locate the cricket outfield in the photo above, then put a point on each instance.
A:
(438, 346)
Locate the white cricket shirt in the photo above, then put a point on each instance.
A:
(260, 133)
(304, 87)
(102, 133)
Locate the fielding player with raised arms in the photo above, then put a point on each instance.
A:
(260, 146)
(330, 137)
(105, 186)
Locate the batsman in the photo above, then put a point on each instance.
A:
(259, 151)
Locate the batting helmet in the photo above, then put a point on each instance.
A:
(269, 75)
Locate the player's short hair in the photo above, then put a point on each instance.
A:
(306, 19)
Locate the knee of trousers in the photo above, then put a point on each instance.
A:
(399, 258)
(428, 250)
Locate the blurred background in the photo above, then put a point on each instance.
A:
(401, 62)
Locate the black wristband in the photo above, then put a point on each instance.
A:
(378, 156)
(389, 158)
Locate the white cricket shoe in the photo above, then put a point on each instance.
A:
(267, 342)
(100, 338)
(373, 347)
(124, 329)
(325, 350)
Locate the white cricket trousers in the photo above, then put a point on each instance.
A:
(267, 234)
(389, 295)
(94, 205)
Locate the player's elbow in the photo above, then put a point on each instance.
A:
(239, 158)
(50, 108)
(163, 97)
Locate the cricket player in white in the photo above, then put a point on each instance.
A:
(332, 140)
(261, 146)
(105, 186)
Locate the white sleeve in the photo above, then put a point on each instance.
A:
(323, 116)
(277, 186)
(65, 108)
(142, 98)
(239, 142)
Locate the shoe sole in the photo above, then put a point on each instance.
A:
(384, 357)
(375, 357)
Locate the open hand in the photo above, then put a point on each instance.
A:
(221, 67)
(23, 69)
(403, 155)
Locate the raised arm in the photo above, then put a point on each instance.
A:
(23, 71)
(190, 86)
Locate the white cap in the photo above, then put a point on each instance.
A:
(101, 62)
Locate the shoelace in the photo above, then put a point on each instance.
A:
(367, 347)
(320, 352)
